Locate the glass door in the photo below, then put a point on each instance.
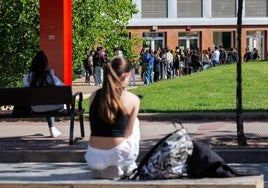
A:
(255, 39)
(188, 40)
(153, 40)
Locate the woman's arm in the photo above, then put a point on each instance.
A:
(132, 104)
(26, 81)
(92, 96)
(56, 80)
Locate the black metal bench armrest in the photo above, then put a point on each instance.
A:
(80, 101)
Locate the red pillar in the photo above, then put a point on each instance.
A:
(56, 36)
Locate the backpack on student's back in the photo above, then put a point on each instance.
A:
(167, 159)
(97, 61)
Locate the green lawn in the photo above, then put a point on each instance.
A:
(213, 90)
(208, 91)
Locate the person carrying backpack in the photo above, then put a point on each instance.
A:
(88, 65)
(222, 55)
(195, 58)
(98, 62)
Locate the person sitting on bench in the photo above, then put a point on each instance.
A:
(114, 141)
(41, 76)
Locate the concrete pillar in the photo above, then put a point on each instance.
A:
(207, 11)
(56, 36)
(172, 9)
(138, 5)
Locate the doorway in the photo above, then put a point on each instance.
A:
(188, 40)
(224, 39)
(153, 40)
(255, 39)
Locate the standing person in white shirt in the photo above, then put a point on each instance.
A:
(118, 52)
(215, 57)
(132, 80)
(170, 63)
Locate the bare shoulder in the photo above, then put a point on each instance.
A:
(130, 96)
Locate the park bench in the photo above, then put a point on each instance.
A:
(26, 96)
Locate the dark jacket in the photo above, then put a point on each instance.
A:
(204, 162)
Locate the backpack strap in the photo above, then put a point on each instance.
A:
(174, 124)
(137, 171)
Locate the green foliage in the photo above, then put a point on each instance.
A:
(19, 38)
(102, 23)
(209, 91)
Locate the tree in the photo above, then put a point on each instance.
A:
(241, 138)
(102, 23)
(19, 38)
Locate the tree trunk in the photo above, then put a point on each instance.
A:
(241, 138)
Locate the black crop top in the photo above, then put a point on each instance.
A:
(101, 128)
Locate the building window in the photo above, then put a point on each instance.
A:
(223, 8)
(256, 8)
(189, 8)
(154, 9)
(224, 39)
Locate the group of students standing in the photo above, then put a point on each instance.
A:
(164, 63)
(93, 65)
(252, 55)
(94, 62)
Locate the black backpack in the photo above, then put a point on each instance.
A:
(97, 60)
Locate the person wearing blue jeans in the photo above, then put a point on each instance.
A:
(148, 74)
(98, 75)
(98, 64)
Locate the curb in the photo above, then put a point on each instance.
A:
(228, 116)
(229, 155)
(196, 116)
(243, 155)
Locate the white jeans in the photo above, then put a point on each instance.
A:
(124, 155)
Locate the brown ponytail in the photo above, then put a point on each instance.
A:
(111, 105)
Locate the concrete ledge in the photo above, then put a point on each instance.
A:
(245, 182)
(76, 175)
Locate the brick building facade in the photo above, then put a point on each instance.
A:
(201, 24)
